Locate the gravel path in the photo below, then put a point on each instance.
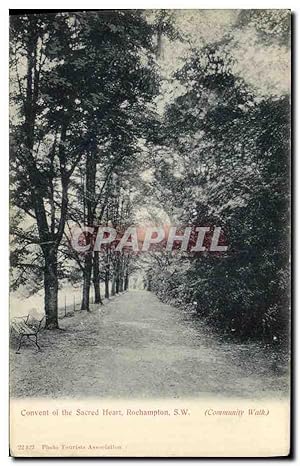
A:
(136, 346)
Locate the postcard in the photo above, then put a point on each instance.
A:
(150, 241)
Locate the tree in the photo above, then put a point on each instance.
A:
(123, 51)
(50, 65)
(229, 167)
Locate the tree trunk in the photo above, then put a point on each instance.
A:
(96, 278)
(85, 303)
(89, 202)
(51, 289)
(107, 273)
(121, 275)
(117, 278)
(113, 284)
(107, 281)
(126, 283)
(121, 282)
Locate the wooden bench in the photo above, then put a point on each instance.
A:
(22, 327)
